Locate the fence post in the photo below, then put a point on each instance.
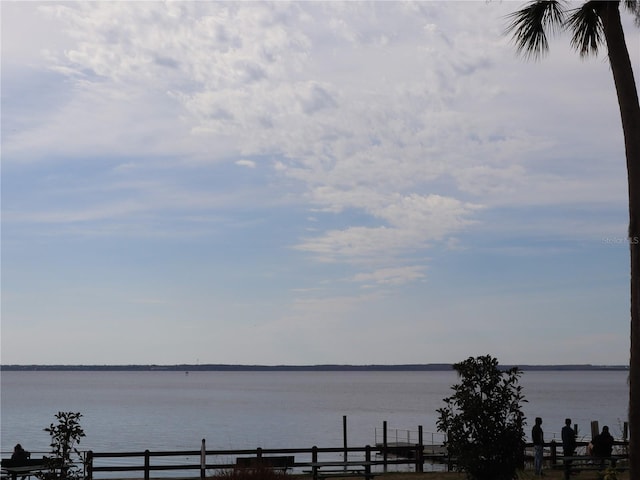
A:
(344, 438)
(420, 449)
(419, 458)
(147, 464)
(203, 460)
(89, 464)
(314, 461)
(554, 453)
(367, 466)
(384, 445)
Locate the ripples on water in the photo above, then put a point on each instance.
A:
(125, 411)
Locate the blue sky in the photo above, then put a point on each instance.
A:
(306, 183)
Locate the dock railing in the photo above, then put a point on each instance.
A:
(409, 437)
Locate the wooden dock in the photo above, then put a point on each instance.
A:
(408, 450)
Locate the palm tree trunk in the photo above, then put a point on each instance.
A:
(630, 114)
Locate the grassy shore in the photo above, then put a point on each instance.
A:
(526, 475)
(523, 475)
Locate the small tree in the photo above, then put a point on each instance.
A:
(64, 438)
(483, 420)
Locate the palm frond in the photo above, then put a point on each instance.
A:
(530, 25)
(634, 7)
(587, 28)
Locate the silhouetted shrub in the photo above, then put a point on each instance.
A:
(65, 460)
(483, 420)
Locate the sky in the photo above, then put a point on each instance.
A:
(306, 183)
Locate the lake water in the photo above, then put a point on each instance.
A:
(127, 411)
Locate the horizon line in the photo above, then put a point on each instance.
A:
(292, 367)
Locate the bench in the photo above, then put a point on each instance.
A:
(23, 467)
(324, 470)
(322, 474)
(275, 462)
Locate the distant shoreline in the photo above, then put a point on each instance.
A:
(428, 367)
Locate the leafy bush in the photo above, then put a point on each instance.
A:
(483, 420)
(65, 457)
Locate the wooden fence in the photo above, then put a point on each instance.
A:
(198, 462)
(620, 447)
(219, 460)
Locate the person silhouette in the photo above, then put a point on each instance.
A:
(568, 445)
(19, 455)
(537, 436)
(603, 445)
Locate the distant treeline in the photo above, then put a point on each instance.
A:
(428, 367)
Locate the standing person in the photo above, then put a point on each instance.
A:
(568, 445)
(537, 436)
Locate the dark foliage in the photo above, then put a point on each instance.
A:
(483, 420)
(65, 460)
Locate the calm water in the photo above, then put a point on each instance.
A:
(125, 411)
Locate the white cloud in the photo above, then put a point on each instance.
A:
(380, 107)
(408, 223)
(370, 136)
(246, 163)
